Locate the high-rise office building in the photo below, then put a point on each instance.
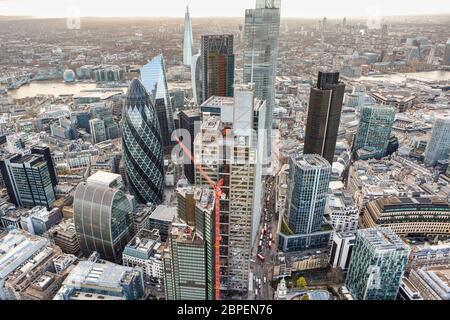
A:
(377, 265)
(261, 34)
(102, 216)
(374, 131)
(153, 77)
(446, 58)
(302, 227)
(81, 120)
(195, 207)
(98, 130)
(218, 66)
(196, 78)
(142, 145)
(438, 148)
(324, 115)
(227, 148)
(186, 276)
(28, 180)
(111, 128)
(189, 119)
(45, 152)
(188, 41)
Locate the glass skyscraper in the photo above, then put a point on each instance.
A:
(217, 65)
(374, 131)
(438, 148)
(188, 41)
(28, 180)
(261, 34)
(324, 115)
(153, 76)
(377, 265)
(185, 261)
(142, 146)
(102, 218)
(302, 227)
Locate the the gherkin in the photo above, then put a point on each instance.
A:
(142, 146)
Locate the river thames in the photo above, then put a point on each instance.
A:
(60, 88)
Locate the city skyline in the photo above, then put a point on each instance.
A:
(234, 8)
(230, 159)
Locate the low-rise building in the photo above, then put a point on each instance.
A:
(64, 236)
(23, 259)
(342, 211)
(161, 219)
(433, 283)
(409, 216)
(145, 251)
(97, 279)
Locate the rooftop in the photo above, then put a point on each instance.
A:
(104, 178)
(219, 101)
(186, 234)
(105, 274)
(383, 239)
(145, 241)
(310, 161)
(164, 213)
(16, 247)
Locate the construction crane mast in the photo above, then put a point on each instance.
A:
(217, 195)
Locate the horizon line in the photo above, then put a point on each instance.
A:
(234, 17)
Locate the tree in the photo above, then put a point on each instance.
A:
(301, 283)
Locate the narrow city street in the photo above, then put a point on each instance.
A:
(264, 250)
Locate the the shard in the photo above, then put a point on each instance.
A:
(142, 146)
(188, 41)
(153, 76)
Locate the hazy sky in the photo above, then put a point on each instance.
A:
(234, 8)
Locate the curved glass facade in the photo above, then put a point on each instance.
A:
(102, 220)
(142, 146)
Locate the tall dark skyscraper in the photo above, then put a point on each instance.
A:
(218, 66)
(188, 120)
(45, 152)
(142, 146)
(28, 180)
(324, 115)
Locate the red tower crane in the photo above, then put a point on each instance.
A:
(217, 195)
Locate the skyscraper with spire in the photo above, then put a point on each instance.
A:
(142, 146)
(188, 41)
(261, 33)
(153, 76)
